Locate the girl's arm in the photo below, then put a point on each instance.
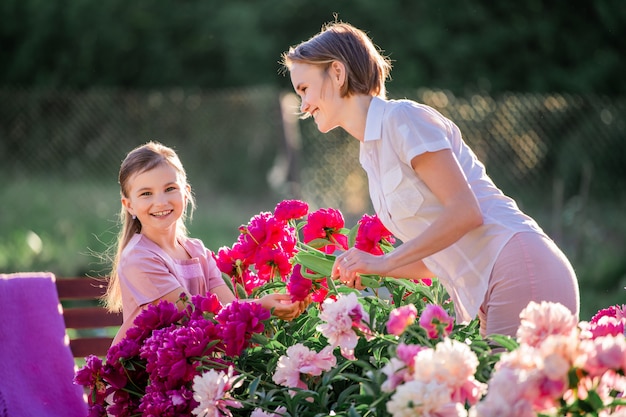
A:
(172, 297)
(280, 304)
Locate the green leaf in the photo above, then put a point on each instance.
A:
(241, 291)
(506, 342)
(317, 263)
(371, 281)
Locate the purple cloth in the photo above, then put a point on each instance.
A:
(36, 364)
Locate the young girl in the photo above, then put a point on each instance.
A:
(155, 259)
(429, 189)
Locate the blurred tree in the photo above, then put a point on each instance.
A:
(460, 45)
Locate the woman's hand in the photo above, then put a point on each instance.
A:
(349, 266)
(282, 307)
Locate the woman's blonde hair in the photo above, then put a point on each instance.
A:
(367, 68)
(142, 159)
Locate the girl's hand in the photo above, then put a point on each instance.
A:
(282, 307)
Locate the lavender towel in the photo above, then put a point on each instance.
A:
(36, 364)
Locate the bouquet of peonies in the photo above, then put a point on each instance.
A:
(351, 353)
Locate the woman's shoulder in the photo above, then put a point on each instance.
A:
(410, 107)
(406, 112)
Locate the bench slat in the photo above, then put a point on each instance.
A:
(80, 297)
(90, 317)
(86, 346)
(80, 288)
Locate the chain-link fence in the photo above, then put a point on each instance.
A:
(250, 140)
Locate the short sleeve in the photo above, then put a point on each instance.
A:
(146, 276)
(212, 273)
(416, 129)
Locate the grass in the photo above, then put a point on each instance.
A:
(66, 228)
(48, 224)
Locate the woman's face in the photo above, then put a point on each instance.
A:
(318, 93)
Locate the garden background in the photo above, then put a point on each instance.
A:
(537, 89)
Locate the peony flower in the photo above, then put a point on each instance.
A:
(175, 402)
(239, 320)
(326, 224)
(436, 321)
(452, 364)
(205, 305)
(371, 234)
(617, 312)
(603, 354)
(279, 412)
(271, 263)
(263, 230)
(420, 398)
(290, 210)
(400, 318)
(211, 390)
(340, 318)
(506, 397)
(231, 261)
(604, 325)
(302, 360)
(298, 286)
(538, 321)
(154, 317)
(90, 376)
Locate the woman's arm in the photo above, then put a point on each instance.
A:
(461, 213)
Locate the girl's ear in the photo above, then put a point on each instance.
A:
(338, 73)
(126, 204)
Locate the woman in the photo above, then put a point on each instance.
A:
(429, 189)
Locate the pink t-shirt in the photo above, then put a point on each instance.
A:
(147, 273)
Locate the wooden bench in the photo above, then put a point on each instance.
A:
(83, 312)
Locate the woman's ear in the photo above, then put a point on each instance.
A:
(338, 73)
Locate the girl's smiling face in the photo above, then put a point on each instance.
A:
(319, 94)
(157, 197)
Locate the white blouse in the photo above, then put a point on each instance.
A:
(398, 130)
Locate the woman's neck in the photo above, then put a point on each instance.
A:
(356, 115)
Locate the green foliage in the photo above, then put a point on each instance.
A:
(504, 46)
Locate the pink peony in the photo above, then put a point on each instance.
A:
(603, 354)
(279, 412)
(290, 210)
(298, 286)
(424, 398)
(436, 321)
(341, 318)
(453, 364)
(400, 318)
(272, 263)
(371, 234)
(539, 320)
(326, 224)
(302, 360)
(239, 320)
(211, 391)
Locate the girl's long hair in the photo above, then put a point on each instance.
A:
(142, 159)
